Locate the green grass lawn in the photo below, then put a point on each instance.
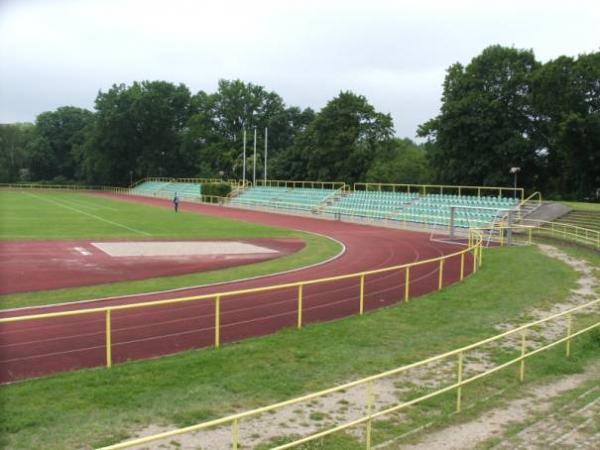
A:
(35, 215)
(109, 405)
(582, 206)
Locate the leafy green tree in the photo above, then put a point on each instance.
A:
(342, 141)
(214, 136)
(486, 120)
(63, 130)
(138, 128)
(14, 140)
(405, 163)
(566, 96)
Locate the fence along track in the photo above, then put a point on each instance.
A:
(524, 233)
(520, 332)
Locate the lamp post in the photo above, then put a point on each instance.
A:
(254, 162)
(244, 162)
(514, 171)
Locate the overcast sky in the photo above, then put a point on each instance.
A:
(59, 52)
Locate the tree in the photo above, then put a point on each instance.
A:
(486, 120)
(406, 163)
(342, 141)
(566, 96)
(138, 128)
(215, 130)
(14, 140)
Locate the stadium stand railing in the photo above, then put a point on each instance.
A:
(424, 189)
(514, 343)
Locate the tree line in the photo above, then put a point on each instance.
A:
(503, 109)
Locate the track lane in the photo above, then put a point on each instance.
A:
(31, 349)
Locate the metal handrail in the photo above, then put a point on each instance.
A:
(235, 418)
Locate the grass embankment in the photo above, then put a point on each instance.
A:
(80, 216)
(110, 405)
(583, 206)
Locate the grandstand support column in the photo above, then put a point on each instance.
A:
(452, 214)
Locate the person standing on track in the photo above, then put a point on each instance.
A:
(176, 202)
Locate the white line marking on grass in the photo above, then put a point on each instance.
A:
(87, 205)
(89, 214)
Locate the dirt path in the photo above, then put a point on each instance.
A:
(571, 426)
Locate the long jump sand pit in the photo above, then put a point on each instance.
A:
(40, 265)
(181, 248)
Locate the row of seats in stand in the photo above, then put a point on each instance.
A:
(373, 204)
(432, 209)
(469, 201)
(283, 197)
(190, 191)
(167, 189)
(442, 216)
(148, 188)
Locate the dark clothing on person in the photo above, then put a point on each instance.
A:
(176, 203)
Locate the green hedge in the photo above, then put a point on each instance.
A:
(217, 189)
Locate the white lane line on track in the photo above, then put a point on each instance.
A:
(82, 250)
(88, 214)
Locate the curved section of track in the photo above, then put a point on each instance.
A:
(40, 347)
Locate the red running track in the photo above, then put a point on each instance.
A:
(41, 347)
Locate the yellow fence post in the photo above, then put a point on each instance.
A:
(480, 254)
(523, 350)
(235, 434)
(474, 259)
(462, 266)
(300, 306)
(569, 329)
(529, 231)
(369, 413)
(459, 379)
(406, 284)
(108, 339)
(217, 321)
(362, 294)
(441, 275)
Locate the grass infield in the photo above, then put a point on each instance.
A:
(108, 406)
(56, 215)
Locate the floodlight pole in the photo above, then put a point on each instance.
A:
(266, 144)
(515, 171)
(244, 163)
(254, 165)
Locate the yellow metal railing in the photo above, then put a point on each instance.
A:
(563, 231)
(367, 419)
(535, 197)
(474, 248)
(301, 184)
(441, 189)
